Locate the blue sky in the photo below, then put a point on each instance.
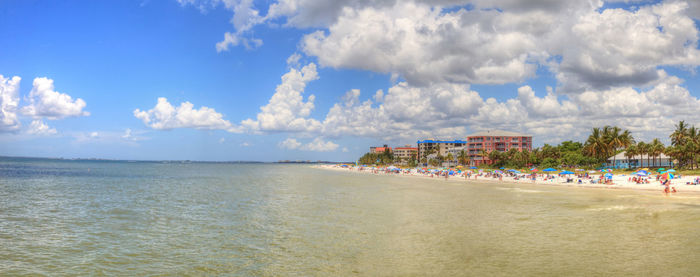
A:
(445, 79)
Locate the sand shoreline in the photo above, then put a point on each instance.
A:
(620, 181)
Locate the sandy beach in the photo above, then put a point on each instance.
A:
(619, 181)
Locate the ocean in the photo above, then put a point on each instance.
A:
(63, 217)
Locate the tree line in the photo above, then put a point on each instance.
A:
(601, 144)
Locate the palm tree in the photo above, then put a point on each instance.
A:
(483, 155)
(463, 157)
(630, 152)
(679, 135)
(450, 158)
(596, 145)
(641, 150)
(656, 148)
(694, 140)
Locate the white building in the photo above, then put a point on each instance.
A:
(639, 161)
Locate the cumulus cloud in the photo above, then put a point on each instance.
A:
(287, 110)
(9, 101)
(290, 144)
(45, 102)
(317, 145)
(165, 116)
(607, 64)
(618, 47)
(426, 45)
(38, 127)
(320, 145)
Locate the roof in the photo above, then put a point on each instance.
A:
(621, 156)
(498, 133)
(441, 141)
(409, 148)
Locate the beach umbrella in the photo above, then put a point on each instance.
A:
(580, 169)
(516, 172)
(472, 167)
(549, 169)
(533, 170)
(641, 173)
(608, 175)
(592, 171)
(670, 170)
(660, 169)
(498, 171)
(502, 168)
(667, 175)
(566, 172)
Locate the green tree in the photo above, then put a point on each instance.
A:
(656, 148)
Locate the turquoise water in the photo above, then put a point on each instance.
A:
(119, 218)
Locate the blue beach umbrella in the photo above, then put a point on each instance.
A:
(502, 168)
(549, 169)
(641, 173)
(472, 167)
(566, 172)
(608, 175)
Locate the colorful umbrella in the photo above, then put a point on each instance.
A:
(671, 170)
(667, 176)
(566, 172)
(498, 171)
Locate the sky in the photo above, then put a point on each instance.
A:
(228, 80)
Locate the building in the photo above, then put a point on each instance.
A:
(379, 150)
(426, 147)
(495, 140)
(620, 161)
(405, 152)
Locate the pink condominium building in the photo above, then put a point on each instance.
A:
(487, 141)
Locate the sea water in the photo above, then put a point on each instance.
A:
(61, 217)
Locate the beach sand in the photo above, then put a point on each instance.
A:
(620, 181)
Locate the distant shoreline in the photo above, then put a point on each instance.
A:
(166, 161)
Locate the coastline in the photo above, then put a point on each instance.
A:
(620, 181)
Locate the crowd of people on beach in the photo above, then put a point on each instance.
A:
(603, 177)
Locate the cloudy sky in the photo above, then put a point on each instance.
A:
(315, 79)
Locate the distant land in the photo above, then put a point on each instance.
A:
(174, 161)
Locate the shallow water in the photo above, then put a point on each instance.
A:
(120, 218)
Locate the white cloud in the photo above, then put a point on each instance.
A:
(222, 140)
(9, 101)
(617, 47)
(317, 145)
(38, 127)
(165, 116)
(245, 144)
(427, 45)
(47, 103)
(287, 110)
(127, 134)
(94, 135)
(290, 144)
